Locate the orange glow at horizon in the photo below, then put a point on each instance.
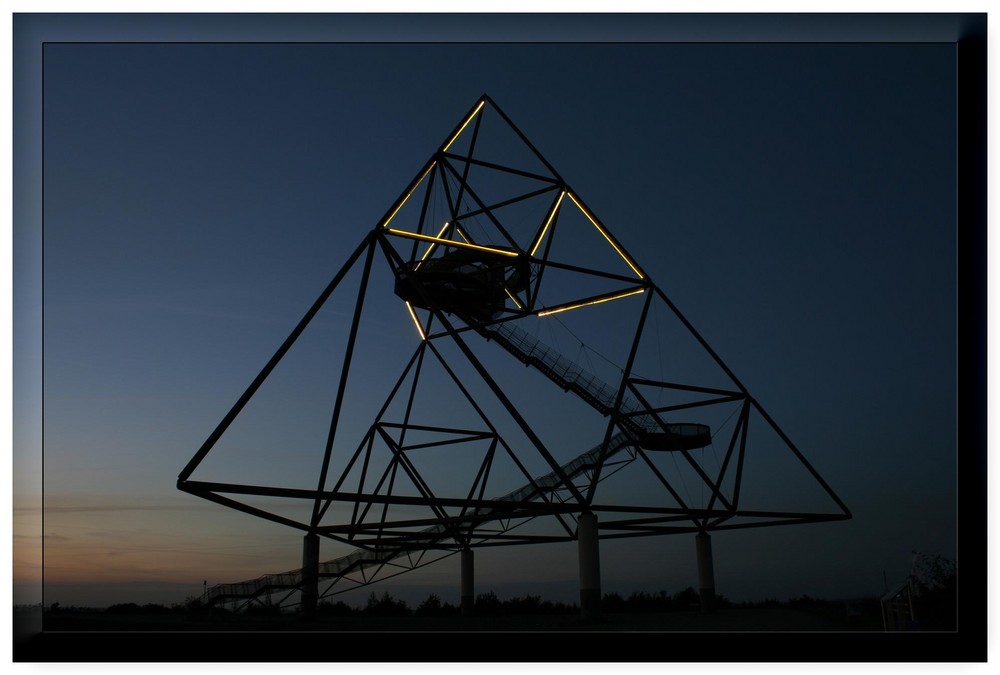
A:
(121, 541)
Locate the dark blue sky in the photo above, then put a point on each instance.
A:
(797, 203)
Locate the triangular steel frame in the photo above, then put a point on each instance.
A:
(568, 490)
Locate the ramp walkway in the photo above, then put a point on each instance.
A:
(644, 429)
(362, 559)
(650, 432)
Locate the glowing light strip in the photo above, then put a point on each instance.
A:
(514, 298)
(386, 223)
(459, 132)
(601, 230)
(449, 242)
(431, 247)
(547, 223)
(416, 321)
(592, 302)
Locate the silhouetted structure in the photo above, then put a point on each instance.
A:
(897, 607)
(458, 284)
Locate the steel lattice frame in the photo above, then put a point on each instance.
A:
(569, 489)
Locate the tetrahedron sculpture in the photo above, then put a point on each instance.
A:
(486, 252)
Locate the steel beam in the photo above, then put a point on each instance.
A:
(278, 355)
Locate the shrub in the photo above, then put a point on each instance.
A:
(433, 606)
(385, 606)
(338, 608)
(686, 599)
(488, 603)
(132, 608)
(529, 604)
(612, 602)
(123, 608)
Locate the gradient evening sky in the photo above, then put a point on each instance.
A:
(797, 202)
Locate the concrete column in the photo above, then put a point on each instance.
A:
(590, 567)
(468, 583)
(310, 575)
(706, 573)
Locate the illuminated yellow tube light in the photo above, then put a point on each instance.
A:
(416, 321)
(556, 310)
(431, 247)
(547, 223)
(459, 132)
(513, 297)
(601, 230)
(393, 215)
(449, 242)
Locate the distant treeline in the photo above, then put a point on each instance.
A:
(489, 604)
(486, 604)
(934, 604)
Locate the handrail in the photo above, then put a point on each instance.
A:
(364, 558)
(556, 367)
(570, 375)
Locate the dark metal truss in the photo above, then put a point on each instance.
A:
(389, 545)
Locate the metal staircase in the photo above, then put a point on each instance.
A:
(647, 428)
(362, 559)
(644, 429)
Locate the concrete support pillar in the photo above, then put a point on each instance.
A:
(706, 573)
(590, 567)
(310, 575)
(468, 583)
